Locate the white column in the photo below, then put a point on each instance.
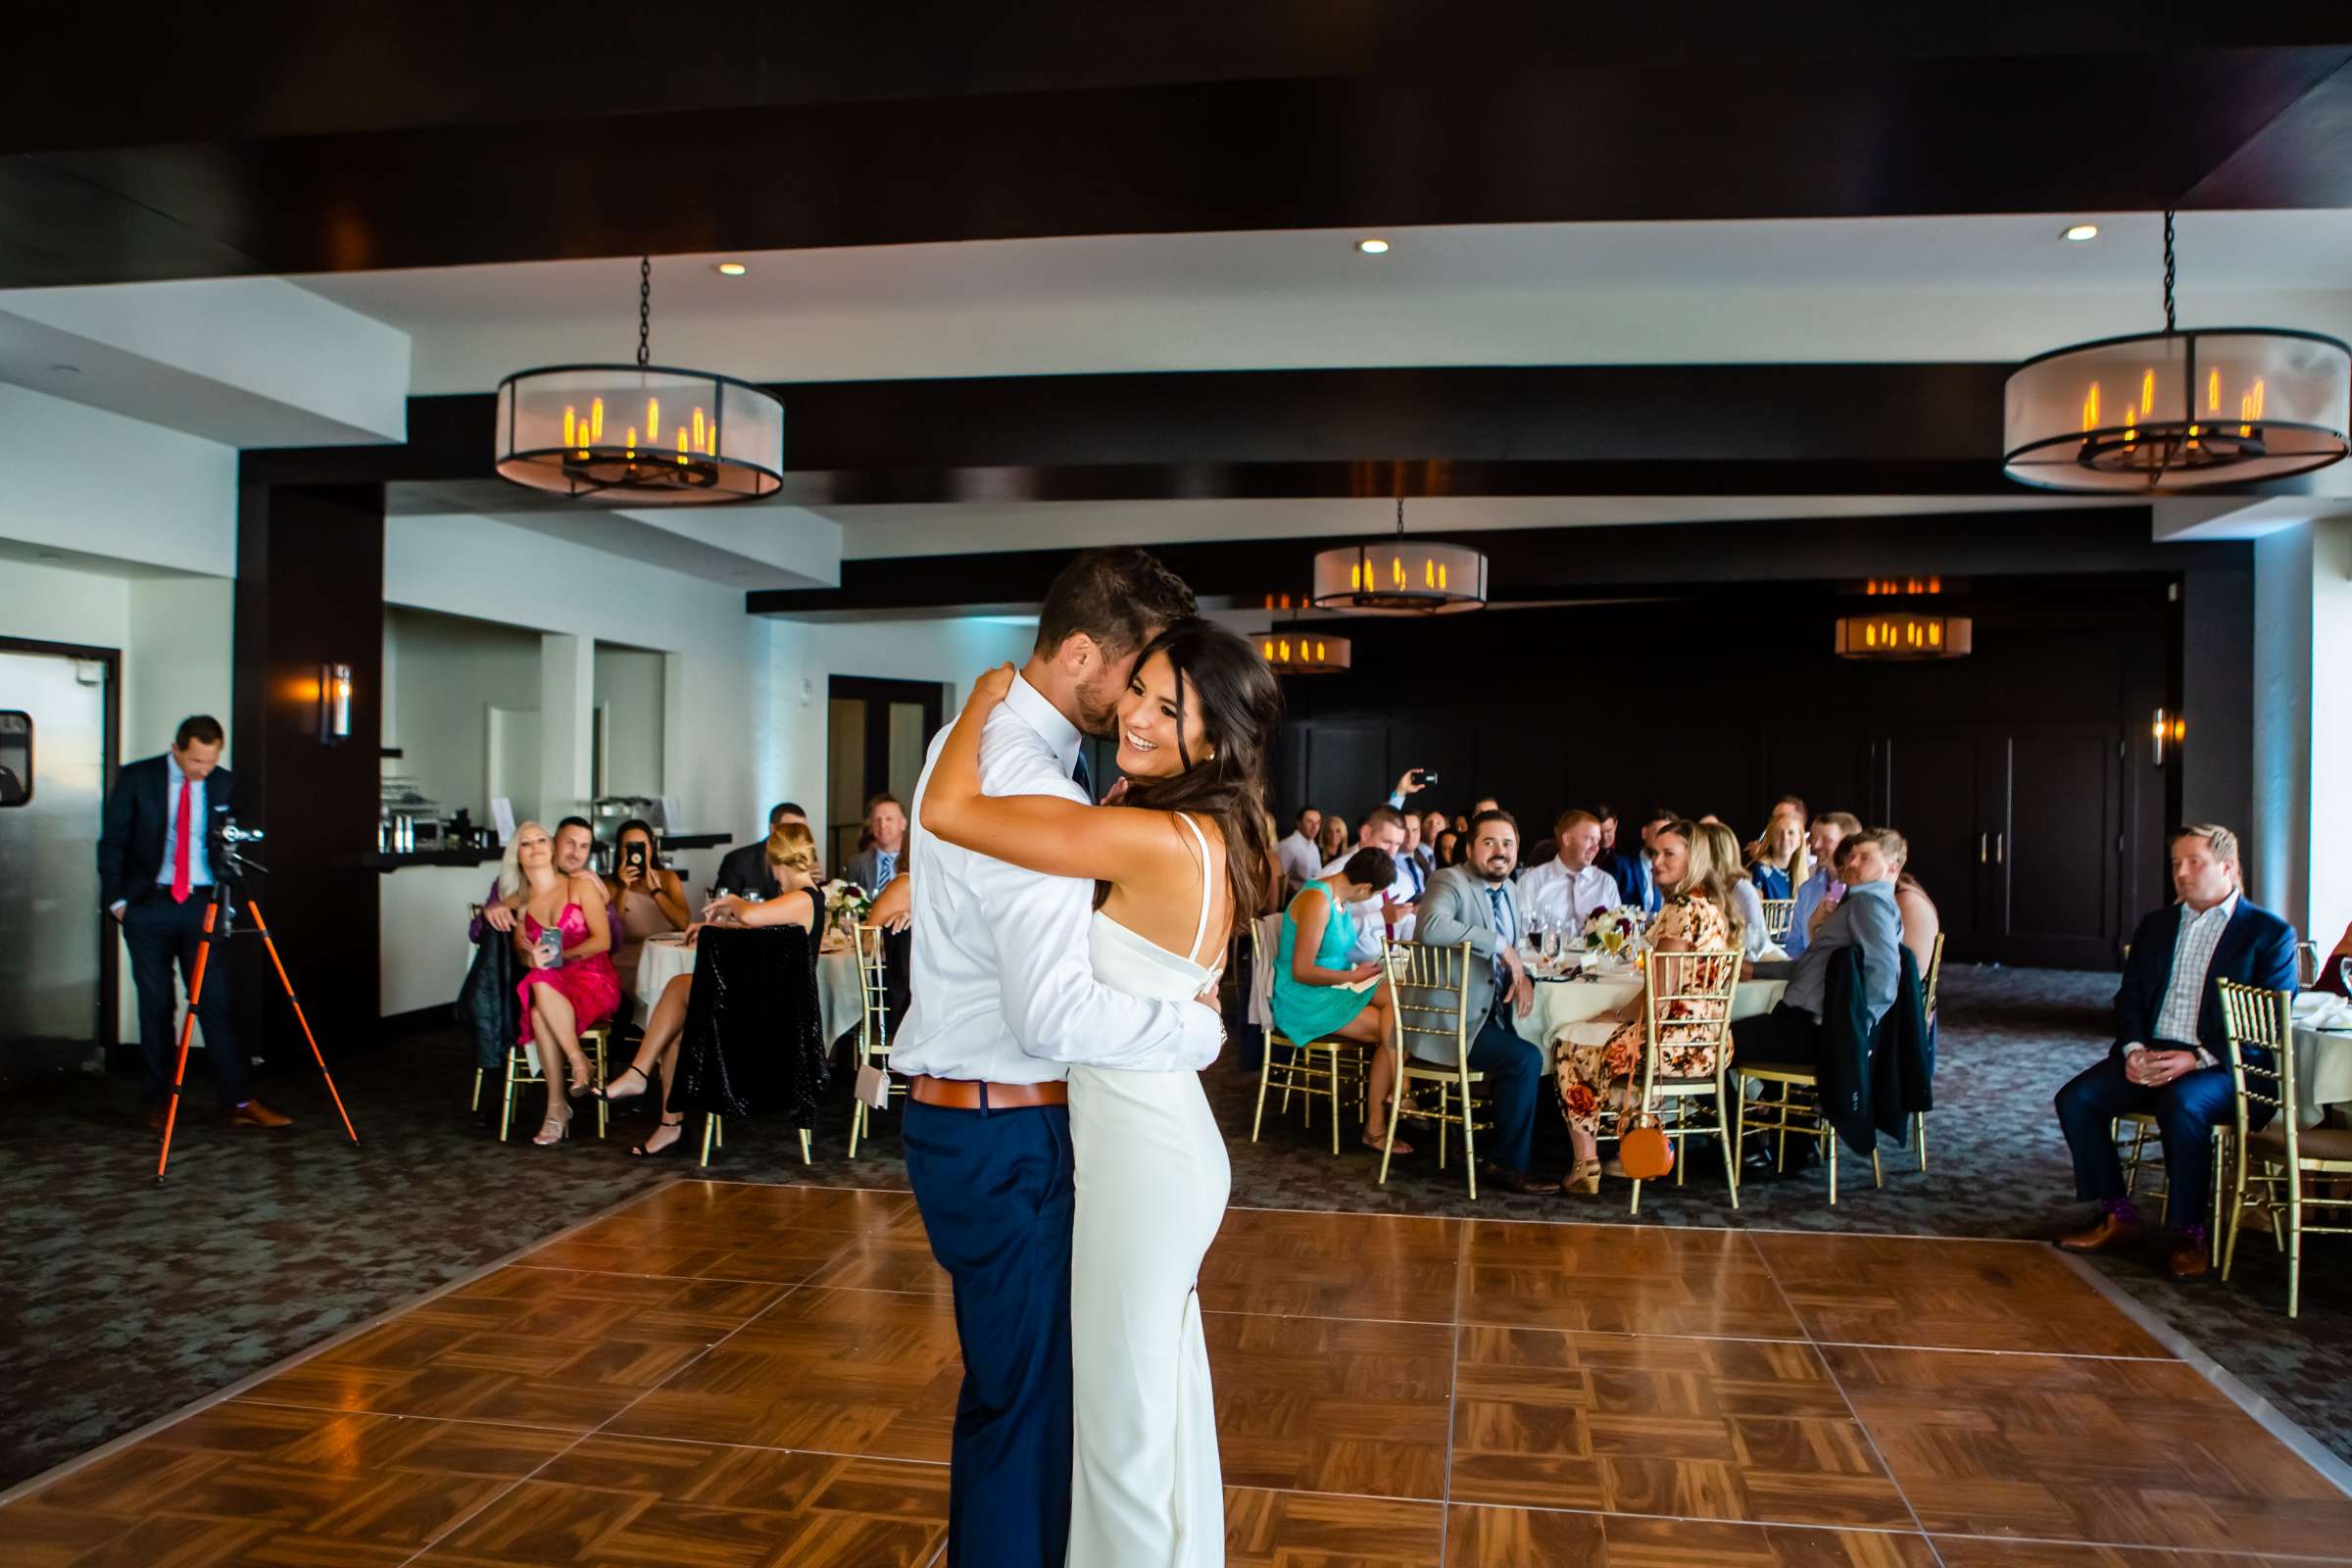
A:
(566, 727)
(2330, 874)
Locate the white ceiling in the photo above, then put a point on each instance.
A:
(1869, 289)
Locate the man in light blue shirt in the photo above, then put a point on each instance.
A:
(1791, 1034)
(1830, 829)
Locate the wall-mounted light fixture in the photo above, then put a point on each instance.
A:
(334, 704)
(2169, 732)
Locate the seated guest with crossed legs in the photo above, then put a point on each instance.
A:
(1698, 869)
(791, 861)
(571, 983)
(2170, 1054)
(1477, 903)
(1312, 973)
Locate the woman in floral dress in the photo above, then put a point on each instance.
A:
(1698, 867)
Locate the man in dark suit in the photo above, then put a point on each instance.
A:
(2171, 1056)
(155, 875)
(744, 868)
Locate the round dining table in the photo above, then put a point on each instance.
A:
(1597, 990)
(839, 998)
(2322, 1057)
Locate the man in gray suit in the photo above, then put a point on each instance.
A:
(1475, 901)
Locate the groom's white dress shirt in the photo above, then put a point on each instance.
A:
(1004, 989)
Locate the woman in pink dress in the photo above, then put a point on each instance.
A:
(566, 938)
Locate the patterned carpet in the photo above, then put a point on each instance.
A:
(122, 1303)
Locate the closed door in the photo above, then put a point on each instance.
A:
(2058, 858)
(1946, 792)
(53, 728)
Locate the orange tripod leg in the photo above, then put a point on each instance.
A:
(179, 1072)
(253, 907)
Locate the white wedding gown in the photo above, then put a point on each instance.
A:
(1151, 1182)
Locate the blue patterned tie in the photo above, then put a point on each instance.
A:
(1084, 777)
(1504, 937)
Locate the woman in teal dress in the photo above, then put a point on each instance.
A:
(1311, 998)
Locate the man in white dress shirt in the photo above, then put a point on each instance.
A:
(1004, 1000)
(1563, 891)
(1300, 860)
(1382, 829)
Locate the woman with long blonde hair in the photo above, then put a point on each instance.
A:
(1698, 869)
(791, 855)
(566, 940)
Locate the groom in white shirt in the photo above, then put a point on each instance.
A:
(1004, 1000)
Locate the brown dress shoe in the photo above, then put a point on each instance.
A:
(253, 1113)
(2191, 1260)
(1513, 1181)
(2112, 1231)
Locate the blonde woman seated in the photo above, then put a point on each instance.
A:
(1311, 998)
(791, 856)
(1698, 869)
(566, 942)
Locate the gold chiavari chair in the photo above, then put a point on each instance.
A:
(1429, 1023)
(715, 1138)
(1328, 1069)
(1927, 1011)
(522, 1071)
(873, 1028)
(1707, 981)
(1779, 916)
(1796, 1109)
(2269, 1166)
(2134, 1130)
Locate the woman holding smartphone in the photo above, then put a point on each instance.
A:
(647, 900)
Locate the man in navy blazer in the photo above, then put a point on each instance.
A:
(155, 876)
(2171, 1056)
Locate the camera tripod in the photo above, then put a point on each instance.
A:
(219, 924)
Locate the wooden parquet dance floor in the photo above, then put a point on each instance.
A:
(724, 1376)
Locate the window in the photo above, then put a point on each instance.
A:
(16, 757)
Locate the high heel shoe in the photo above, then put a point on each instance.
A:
(582, 1086)
(560, 1126)
(645, 1081)
(1584, 1181)
(649, 1147)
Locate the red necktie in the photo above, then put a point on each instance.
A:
(180, 841)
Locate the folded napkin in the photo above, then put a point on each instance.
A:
(1773, 953)
(2317, 1009)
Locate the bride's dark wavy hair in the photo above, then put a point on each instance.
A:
(1240, 707)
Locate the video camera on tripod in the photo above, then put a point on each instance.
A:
(225, 845)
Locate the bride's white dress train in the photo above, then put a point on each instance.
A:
(1152, 1183)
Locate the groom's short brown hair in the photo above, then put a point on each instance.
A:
(1121, 597)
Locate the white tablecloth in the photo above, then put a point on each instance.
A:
(2322, 1057)
(839, 998)
(1566, 1002)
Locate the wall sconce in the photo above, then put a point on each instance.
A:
(2168, 730)
(334, 704)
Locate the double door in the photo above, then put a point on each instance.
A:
(2015, 832)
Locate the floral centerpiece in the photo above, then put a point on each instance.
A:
(1616, 932)
(847, 905)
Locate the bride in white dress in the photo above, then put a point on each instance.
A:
(1185, 847)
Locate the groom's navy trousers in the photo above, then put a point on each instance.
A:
(996, 1195)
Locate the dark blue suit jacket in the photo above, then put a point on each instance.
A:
(130, 837)
(2257, 949)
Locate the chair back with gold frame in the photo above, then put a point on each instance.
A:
(2257, 1019)
(1430, 1023)
(873, 1028)
(1324, 1069)
(1779, 916)
(1689, 994)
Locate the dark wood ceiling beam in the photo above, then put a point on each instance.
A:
(1547, 135)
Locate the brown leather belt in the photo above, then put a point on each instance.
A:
(965, 1093)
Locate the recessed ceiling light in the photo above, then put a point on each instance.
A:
(732, 269)
(1372, 247)
(2080, 232)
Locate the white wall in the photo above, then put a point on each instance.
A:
(2330, 774)
(442, 674)
(55, 605)
(178, 660)
(629, 685)
(85, 480)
